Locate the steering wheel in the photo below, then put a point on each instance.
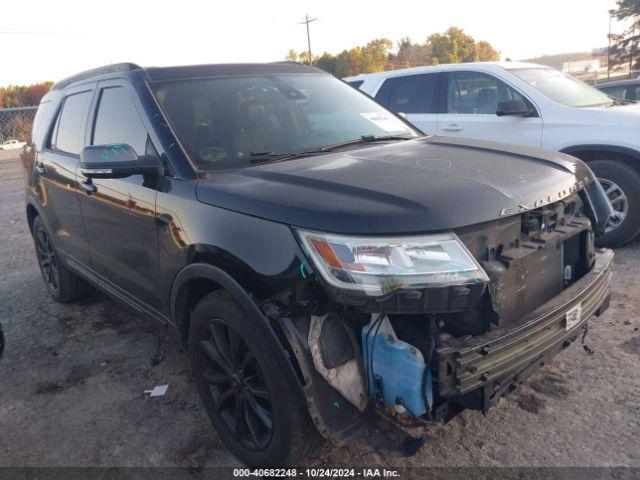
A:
(213, 154)
(322, 135)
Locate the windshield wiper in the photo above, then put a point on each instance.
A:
(366, 139)
(265, 157)
(622, 101)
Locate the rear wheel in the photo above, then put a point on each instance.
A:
(621, 183)
(63, 285)
(243, 389)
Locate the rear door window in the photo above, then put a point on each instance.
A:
(68, 136)
(409, 94)
(117, 121)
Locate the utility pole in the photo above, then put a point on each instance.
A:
(306, 22)
(611, 12)
(631, 52)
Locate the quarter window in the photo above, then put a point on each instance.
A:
(68, 132)
(117, 121)
(409, 94)
(477, 93)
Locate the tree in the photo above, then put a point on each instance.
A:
(453, 46)
(326, 62)
(410, 54)
(486, 53)
(292, 56)
(375, 55)
(349, 62)
(626, 47)
(23, 96)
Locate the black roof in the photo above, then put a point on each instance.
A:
(170, 73)
(94, 72)
(191, 71)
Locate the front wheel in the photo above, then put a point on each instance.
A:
(243, 389)
(621, 183)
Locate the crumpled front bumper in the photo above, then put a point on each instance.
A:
(476, 372)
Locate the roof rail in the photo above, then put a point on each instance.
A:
(116, 67)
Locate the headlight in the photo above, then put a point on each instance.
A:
(377, 265)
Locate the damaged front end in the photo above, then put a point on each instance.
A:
(398, 332)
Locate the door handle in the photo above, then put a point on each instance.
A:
(452, 128)
(164, 219)
(40, 168)
(89, 188)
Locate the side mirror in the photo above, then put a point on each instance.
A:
(117, 161)
(514, 108)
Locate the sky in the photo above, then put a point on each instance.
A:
(50, 40)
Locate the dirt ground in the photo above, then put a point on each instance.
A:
(73, 377)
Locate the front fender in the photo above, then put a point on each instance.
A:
(246, 303)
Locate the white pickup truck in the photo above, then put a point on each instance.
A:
(11, 145)
(525, 104)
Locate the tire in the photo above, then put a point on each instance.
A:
(274, 429)
(622, 184)
(63, 285)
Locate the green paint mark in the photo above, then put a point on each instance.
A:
(118, 149)
(171, 145)
(105, 155)
(304, 275)
(156, 115)
(336, 404)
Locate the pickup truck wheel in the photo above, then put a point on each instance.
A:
(621, 183)
(242, 388)
(63, 285)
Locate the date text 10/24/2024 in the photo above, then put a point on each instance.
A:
(317, 472)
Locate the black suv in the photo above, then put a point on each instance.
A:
(330, 269)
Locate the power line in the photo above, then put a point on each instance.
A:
(306, 22)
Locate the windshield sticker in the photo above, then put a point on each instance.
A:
(386, 122)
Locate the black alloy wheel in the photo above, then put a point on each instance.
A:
(247, 386)
(237, 387)
(47, 259)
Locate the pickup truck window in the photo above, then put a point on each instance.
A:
(224, 122)
(70, 124)
(118, 121)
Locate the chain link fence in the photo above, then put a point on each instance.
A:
(15, 123)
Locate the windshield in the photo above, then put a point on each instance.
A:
(228, 121)
(562, 88)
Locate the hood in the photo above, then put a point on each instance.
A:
(412, 186)
(615, 115)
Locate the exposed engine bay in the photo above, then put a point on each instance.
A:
(421, 355)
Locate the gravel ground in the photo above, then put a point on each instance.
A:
(72, 384)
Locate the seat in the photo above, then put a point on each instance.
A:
(486, 100)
